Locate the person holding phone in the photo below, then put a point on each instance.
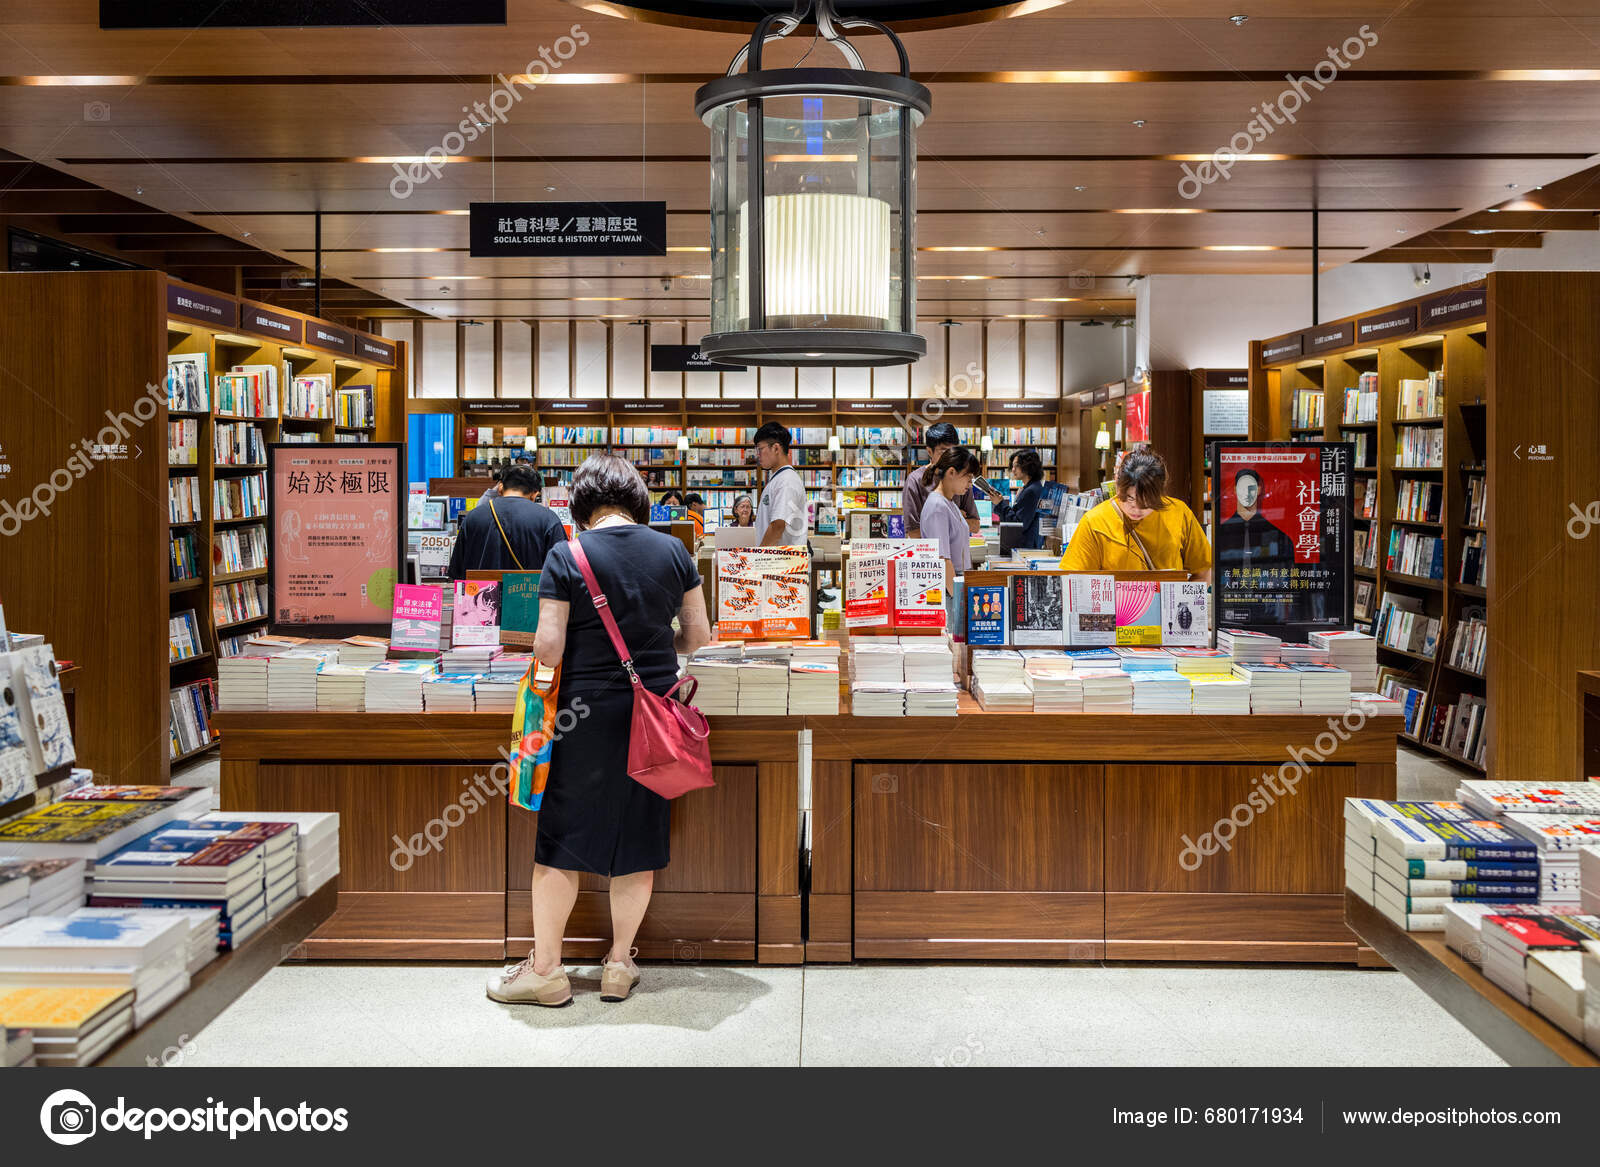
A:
(942, 516)
(920, 483)
(1027, 487)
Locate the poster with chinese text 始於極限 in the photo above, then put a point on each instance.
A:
(1281, 536)
(337, 514)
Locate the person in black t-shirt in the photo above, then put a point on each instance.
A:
(593, 816)
(507, 533)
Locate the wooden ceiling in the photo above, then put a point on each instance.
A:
(1032, 155)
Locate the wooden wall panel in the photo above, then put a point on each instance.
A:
(977, 827)
(979, 925)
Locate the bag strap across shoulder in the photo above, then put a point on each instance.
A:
(603, 607)
(509, 549)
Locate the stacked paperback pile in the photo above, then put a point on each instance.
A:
(292, 679)
(317, 848)
(813, 687)
(1589, 883)
(1302, 654)
(280, 843)
(143, 951)
(1219, 693)
(92, 821)
(242, 682)
(931, 699)
(716, 674)
(1544, 954)
(1245, 646)
(342, 688)
(1354, 652)
(205, 929)
(65, 1025)
(763, 687)
(999, 682)
(1490, 799)
(449, 692)
(1411, 860)
(1323, 688)
(363, 650)
(39, 887)
(1057, 688)
(928, 659)
(496, 692)
(1559, 838)
(395, 686)
(1201, 662)
(467, 658)
(1144, 660)
(1274, 687)
(1160, 692)
(1105, 690)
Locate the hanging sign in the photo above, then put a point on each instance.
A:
(1400, 322)
(198, 304)
(558, 229)
(1457, 304)
(1282, 349)
(1227, 379)
(1138, 414)
(1281, 523)
(685, 358)
(265, 322)
(337, 516)
(1327, 337)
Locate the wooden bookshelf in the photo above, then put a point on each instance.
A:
(1516, 355)
(95, 575)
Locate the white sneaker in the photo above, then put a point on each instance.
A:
(618, 978)
(518, 984)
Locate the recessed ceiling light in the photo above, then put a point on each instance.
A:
(404, 250)
(1238, 21)
(1480, 231)
(1080, 188)
(138, 190)
(1240, 158)
(1494, 210)
(1241, 247)
(1511, 186)
(689, 249)
(1157, 211)
(1052, 299)
(1138, 123)
(550, 189)
(958, 277)
(452, 277)
(958, 249)
(1024, 316)
(597, 299)
(1399, 230)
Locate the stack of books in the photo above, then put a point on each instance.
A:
(824, 652)
(1056, 686)
(1106, 690)
(1463, 924)
(1589, 881)
(1144, 660)
(1555, 982)
(497, 692)
(63, 1025)
(876, 658)
(39, 887)
(1201, 662)
(1245, 646)
(717, 681)
(1559, 838)
(1491, 799)
(467, 658)
(363, 650)
(931, 698)
(1303, 654)
(878, 698)
(1323, 688)
(1591, 1003)
(1274, 687)
(317, 842)
(1511, 944)
(1354, 652)
(93, 821)
(342, 688)
(205, 929)
(449, 692)
(395, 686)
(292, 679)
(1160, 692)
(242, 682)
(928, 659)
(1219, 693)
(813, 687)
(1094, 658)
(1410, 860)
(145, 951)
(511, 662)
(998, 680)
(763, 687)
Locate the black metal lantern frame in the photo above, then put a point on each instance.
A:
(814, 246)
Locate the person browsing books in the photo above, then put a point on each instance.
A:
(594, 817)
(1027, 487)
(744, 511)
(942, 517)
(696, 506)
(919, 483)
(1140, 528)
(508, 531)
(781, 514)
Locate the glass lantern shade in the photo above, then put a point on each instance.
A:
(813, 213)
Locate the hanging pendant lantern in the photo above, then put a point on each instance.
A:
(813, 205)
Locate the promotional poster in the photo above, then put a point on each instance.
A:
(338, 514)
(1281, 532)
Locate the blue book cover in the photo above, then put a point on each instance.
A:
(897, 526)
(458, 507)
(986, 614)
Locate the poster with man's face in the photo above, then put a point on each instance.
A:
(1281, 527)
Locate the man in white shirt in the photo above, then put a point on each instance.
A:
(781, 514)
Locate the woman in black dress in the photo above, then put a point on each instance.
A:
(594, 817)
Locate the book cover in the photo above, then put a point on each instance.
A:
(476, 613)
(96, 793)
(1138, 606)
(867, 598)
(41, 708)
(75, 822)
(519, 606)
(919, 592)
(418, 614)
(1185, 613)
(785, 601)
(1038, 609)
(16, 763)
(1092, 610)
(987, 614)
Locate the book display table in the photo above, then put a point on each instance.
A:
(991, 836)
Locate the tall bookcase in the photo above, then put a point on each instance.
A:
(1479, 472)
(97, 575)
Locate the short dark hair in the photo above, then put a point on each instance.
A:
(1028, 461)
(672, 492)
(940, 434)
(1145, 473)
(958, 460)
(1248, 473)
(605, 480)
(520, 477)
(774, 431)
(693, 500)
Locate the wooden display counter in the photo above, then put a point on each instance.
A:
(1038, 836)
(996, 836)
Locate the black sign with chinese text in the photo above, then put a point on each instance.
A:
(685, 358)
(1282, 536)
(522, 229)
(198, 304)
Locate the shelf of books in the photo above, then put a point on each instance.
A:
(1411, 387)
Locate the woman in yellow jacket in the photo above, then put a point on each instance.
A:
(1140, 529)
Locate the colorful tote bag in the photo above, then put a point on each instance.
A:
(532, 727)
